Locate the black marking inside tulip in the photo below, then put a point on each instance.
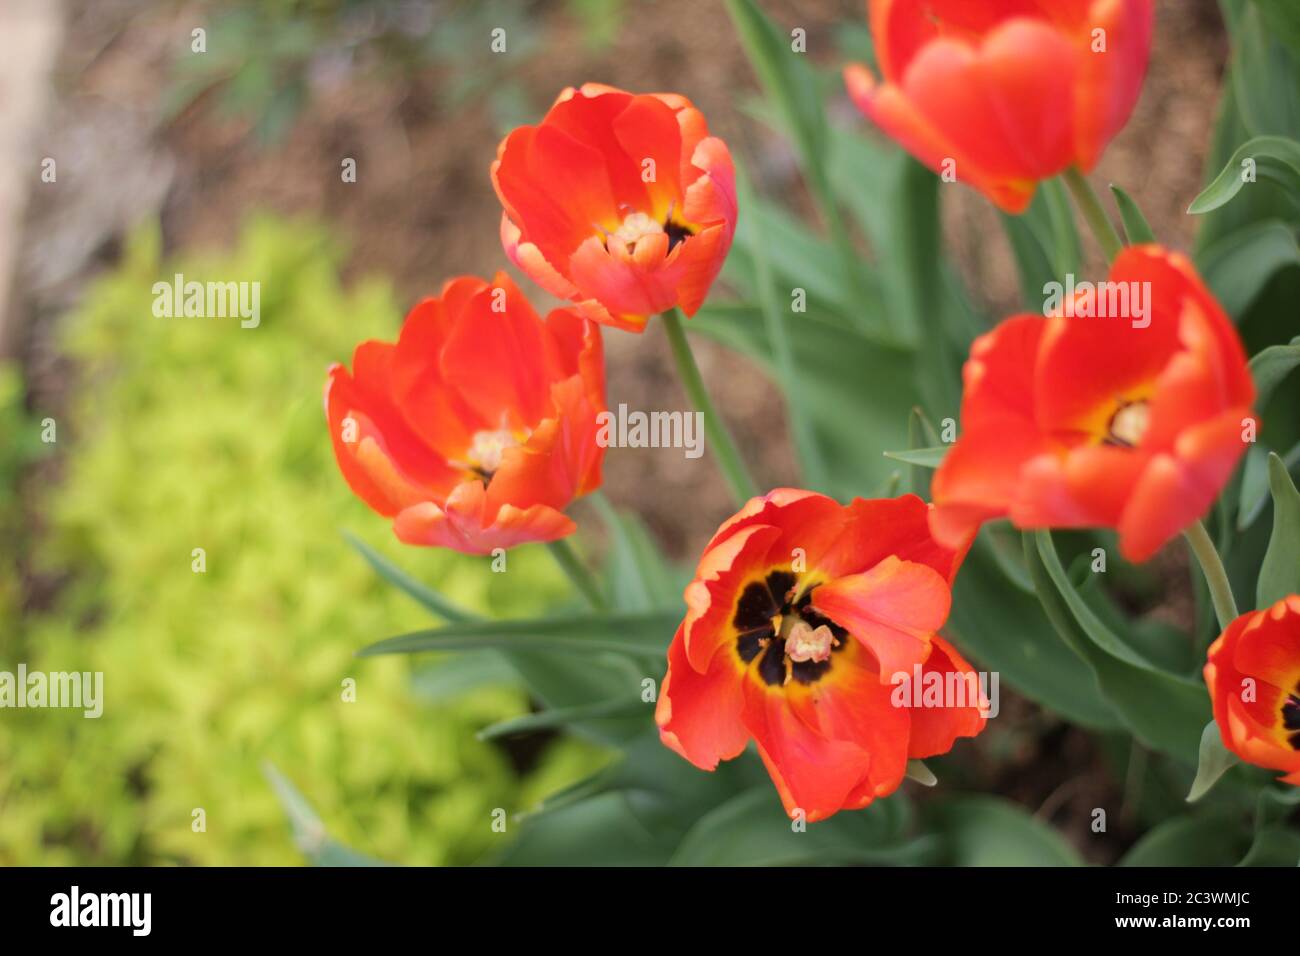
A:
(772, 667)
(677, 233)
(1291, 718)
(754, 620)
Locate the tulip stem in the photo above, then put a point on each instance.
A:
(729, 460)
(1225, 606)
(578, 573)
(1102, 228)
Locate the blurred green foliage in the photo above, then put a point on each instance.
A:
(196, 433)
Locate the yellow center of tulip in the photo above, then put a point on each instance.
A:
(1128, 425)
(486, 449)
(636, 226)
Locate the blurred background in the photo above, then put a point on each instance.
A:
(223, 689)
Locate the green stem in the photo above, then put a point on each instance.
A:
(729, 460)
(1225, 606)
(1102, 228)
(578, 573)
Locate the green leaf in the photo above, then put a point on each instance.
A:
(562, 716)
(1282, 17)
(642, 636)
(918, 259)
(603, 830)
(1271, 366)
(1208, 840)
(920, 457)
(1277, 159)
(776, 309)
(842, 410)
(395, 576)
(639, 576)
(1264, 78)
(786, 77)
(753, 830)
(308, 830)
(792, 85)
(1273, 846)
(1005, 630)
(990, 831)
(1254, 483)
(1093, 626)
(1279, 575)
(1044, 242)
(1239, 266)
(920, 434)
(1162, 709)
(1215, 760)
(806, 262)
(1135, 224)
(455, 676)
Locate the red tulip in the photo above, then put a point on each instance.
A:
(1006, 92)
(1133, 422)
(800, 617)
(622, 203)
(1253, 673)
(478, 426)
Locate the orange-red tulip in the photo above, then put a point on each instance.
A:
(1008, 92)
(1253, 674)
(622, 203)
(801, 614)
(1073, 421)
(478, 426)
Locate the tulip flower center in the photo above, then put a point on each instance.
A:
(780, 635)
(1291, 718)
(807, 643)
(1128, 424)
(486, 449)
(638, 225)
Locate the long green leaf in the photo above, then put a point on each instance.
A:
(1189, 841)
(920, 457)
(1005, 630)
(1271, 366)
(1164, 710)
(644, 635)
(1136, 227)
(990, 831)
(395, 576)
(1240, 265)
(775, 310)
(752, 830)
(791, 83)
(1214, 761)
(1279, 575)
(308, 831)
(1276, 158)
(1254, 483)
(560, 717)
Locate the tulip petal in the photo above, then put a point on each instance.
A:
(935, 729)
(699, 713)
